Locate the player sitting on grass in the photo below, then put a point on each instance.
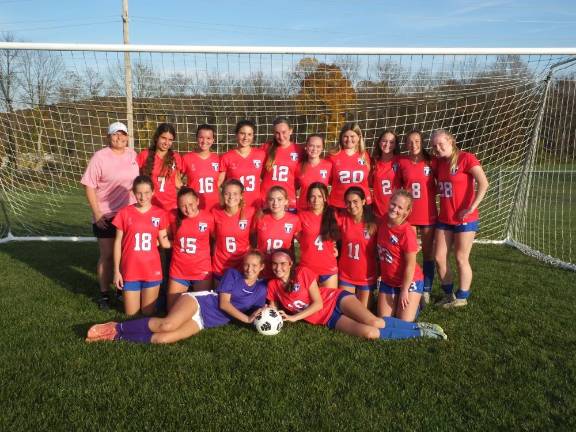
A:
(235, 298)
(297, 292)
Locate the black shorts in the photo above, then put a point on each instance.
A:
(109, 232)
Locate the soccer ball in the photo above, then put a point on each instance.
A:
(268, 322)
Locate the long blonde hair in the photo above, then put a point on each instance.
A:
(455, 150)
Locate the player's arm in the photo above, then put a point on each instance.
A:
(316, 305)
(221, 178)
(482, 181)
(99, 218)
(224, 301)
(118, 280)
(178, 182)
(163, 239)
(407, 278)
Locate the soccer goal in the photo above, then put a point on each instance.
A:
(515, 109)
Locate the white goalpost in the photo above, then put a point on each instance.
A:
(513, 108)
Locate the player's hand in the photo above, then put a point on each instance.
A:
(118, 280)
(462, 214)
(404, 299)
(285, 316)
(103, 223)
(253, 315)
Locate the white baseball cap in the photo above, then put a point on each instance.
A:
(117, 127)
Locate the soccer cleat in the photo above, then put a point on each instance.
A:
(448, 298)
(98, 332)
(455, 303)
(430, 326)
(433, 333)
(103, 303)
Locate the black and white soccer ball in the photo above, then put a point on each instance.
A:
(268, 322)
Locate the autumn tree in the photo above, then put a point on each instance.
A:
(326, 94)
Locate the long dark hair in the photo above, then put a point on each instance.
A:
(168, 163)
(328, 227)
(290, 285)
(184, 190)
(368, 218)
(273, 147)
(425, 153)
(377, 151)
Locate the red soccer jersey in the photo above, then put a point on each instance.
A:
(315, 253)
(393, 243)
(164, 182)
(418, 179)
(283, 171)
(357, 260)
(191, 246)
(232, 235)
(246, 169)
(202, 175)
(299, 299)
(456, 188)
(384, 183)
(348, 171)
(140, 259)
(276, 233)
(311, 174)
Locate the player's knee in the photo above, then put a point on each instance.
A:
(461, 259)
(167, 325)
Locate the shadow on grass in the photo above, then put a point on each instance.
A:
(70, 265)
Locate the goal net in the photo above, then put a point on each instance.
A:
(515, 112)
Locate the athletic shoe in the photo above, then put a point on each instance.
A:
(448, 298)
(433, 333)
(430, 326)
(98, 332)
(455, 303)
(103, 303)
(425, 299)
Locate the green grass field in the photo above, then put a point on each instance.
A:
(509, 364)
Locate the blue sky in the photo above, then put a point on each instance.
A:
(353, 23)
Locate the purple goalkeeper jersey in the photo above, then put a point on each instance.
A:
(243, 297)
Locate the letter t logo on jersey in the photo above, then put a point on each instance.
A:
(156, 221)
(256, 163)
(215, 166)
(294, 156)
(323, 173)
(288, 227)
(202, 226)
(427, 170)
(243, 224)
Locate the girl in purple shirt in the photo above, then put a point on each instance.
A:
(239, 296)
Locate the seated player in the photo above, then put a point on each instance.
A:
(235, 298)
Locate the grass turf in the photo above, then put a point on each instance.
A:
(509, 362)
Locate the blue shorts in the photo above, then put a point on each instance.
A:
(416, 286)
(186, 282)
(139, 285)
(337, 312)
(324, 278)
(459, 228)
(357, 287)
